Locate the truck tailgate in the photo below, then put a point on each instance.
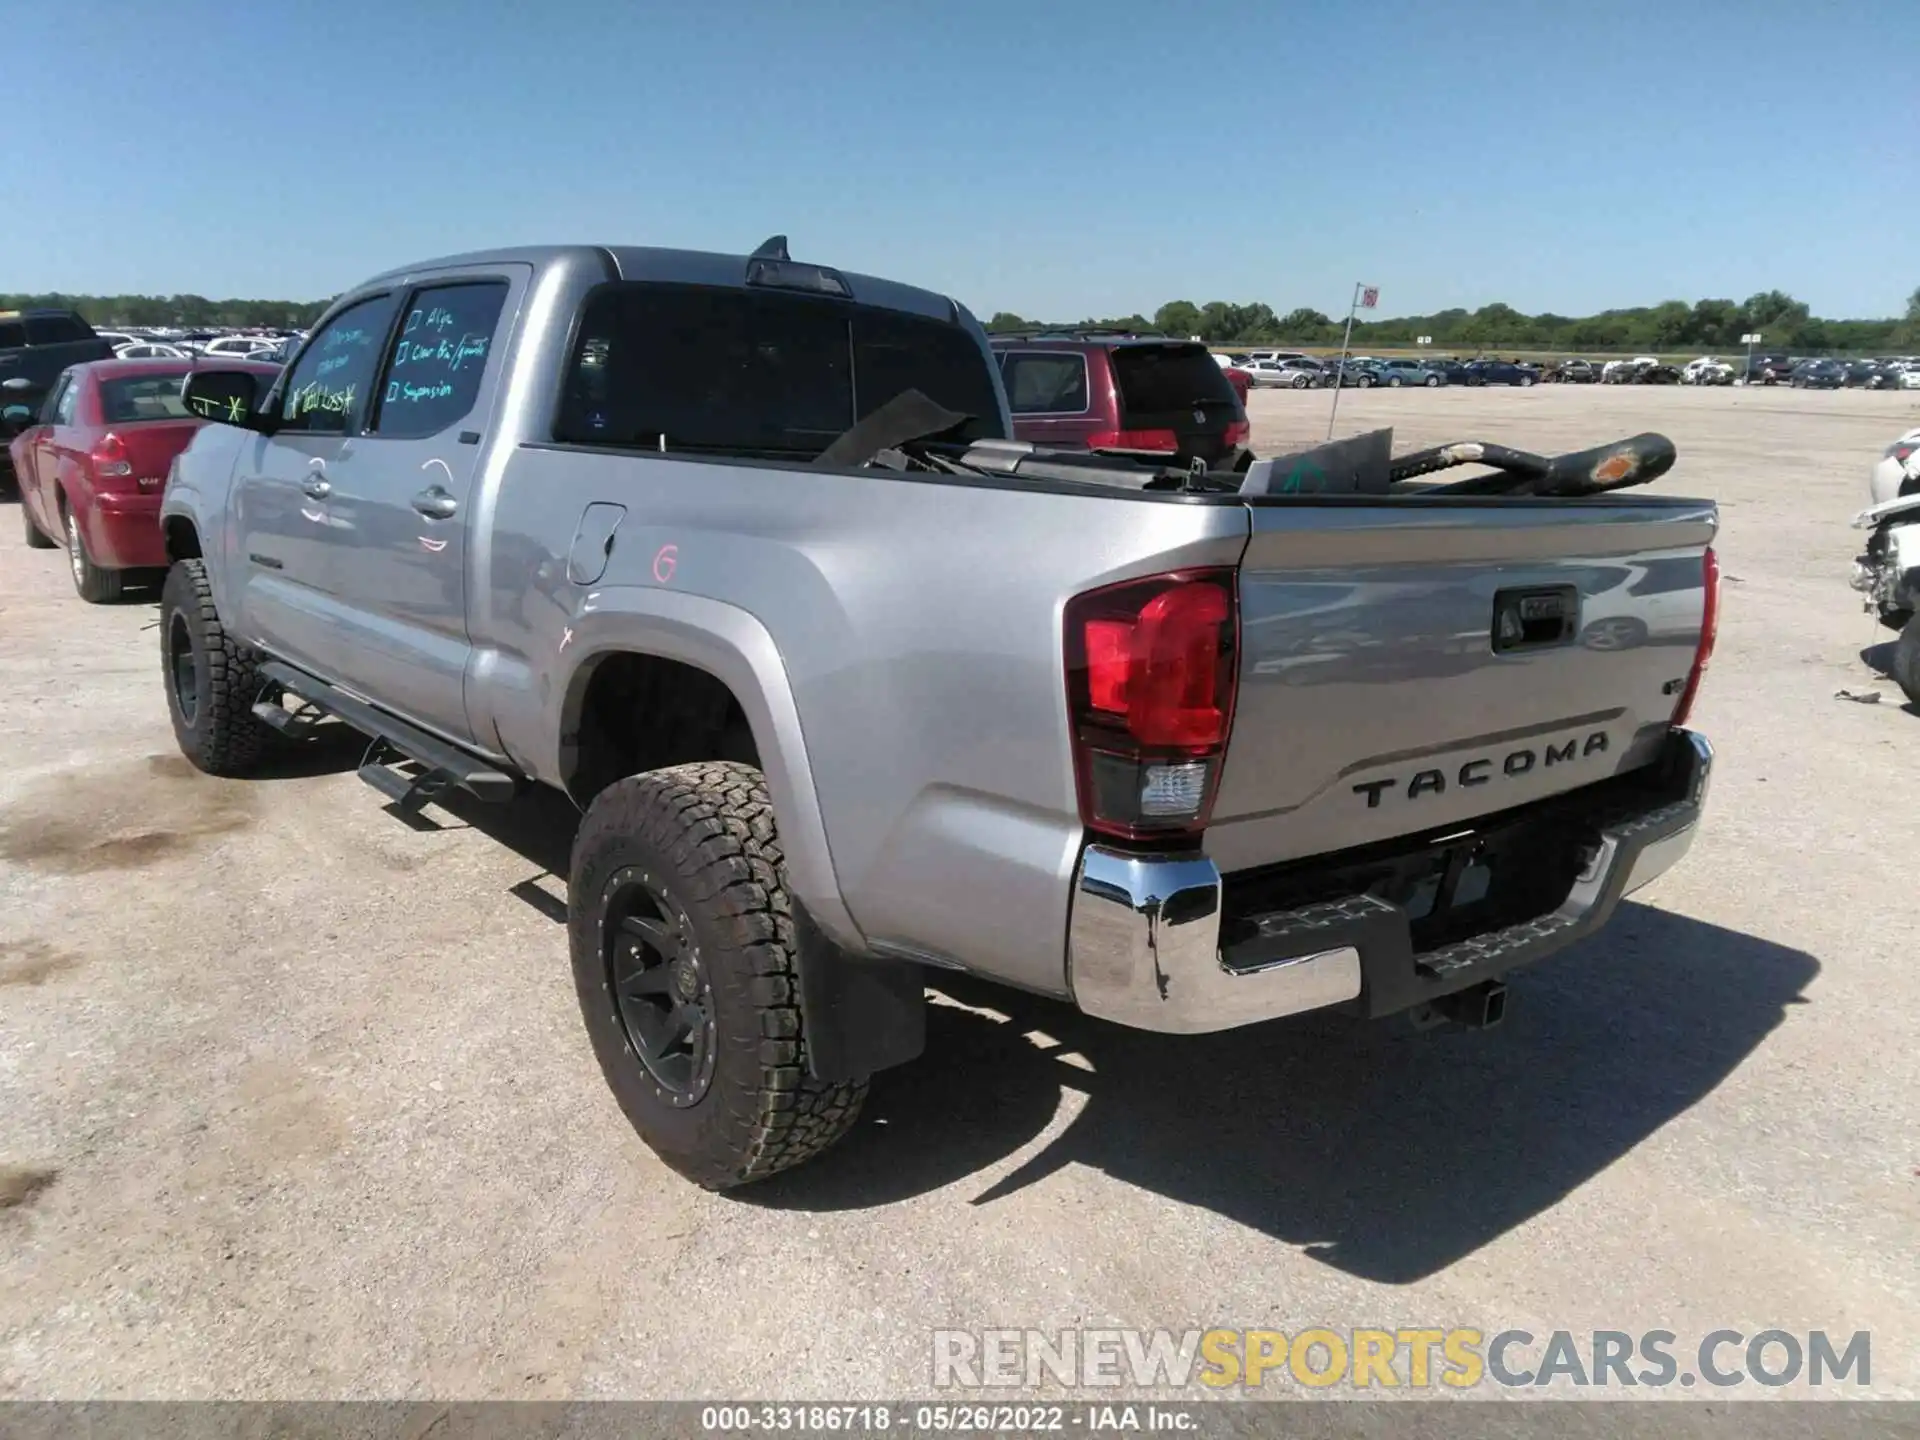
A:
(1382, 694)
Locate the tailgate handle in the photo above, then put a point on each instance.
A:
(1535, 618)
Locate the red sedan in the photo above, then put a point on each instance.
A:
(92, 467)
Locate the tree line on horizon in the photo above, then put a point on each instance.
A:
(1671, 325)
(1784, 322)
(186, 311)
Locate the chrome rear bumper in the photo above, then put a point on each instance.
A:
(1143, 934)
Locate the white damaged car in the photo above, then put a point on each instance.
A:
(1887, 572)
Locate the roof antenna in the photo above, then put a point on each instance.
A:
(774, 248)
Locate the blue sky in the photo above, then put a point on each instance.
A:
(1058, 158)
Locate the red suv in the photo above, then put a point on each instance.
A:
(1146, 396)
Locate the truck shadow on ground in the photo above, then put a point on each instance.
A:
(1879, 659)
(1384, 1152)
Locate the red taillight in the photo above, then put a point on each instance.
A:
(1154, 440)
(1150, 688)
(109, 457)
(1238, 432)
(1900, 450)
(1709, 632)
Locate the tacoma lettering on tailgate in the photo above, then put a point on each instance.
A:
(1483, 770)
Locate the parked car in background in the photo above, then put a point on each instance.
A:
(149, 350)
(238, 347)
(1571, 372)
(1704, 371)
(1411, 372)
(1301, 373)
(1498, 372)
(1872, 375)
(1351, 373)
(117, 338)
(1454, 369)
(93, 463)
(1818, 375)
(35, 346)
(1769, 370)
(1241, 381)
(1151, 398)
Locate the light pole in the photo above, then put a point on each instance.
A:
(1363, 295)
(1749, 341)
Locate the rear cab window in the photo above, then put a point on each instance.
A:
(13, 335)
(57, 329)
(712, 370)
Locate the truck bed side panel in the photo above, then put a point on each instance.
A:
(918, 626)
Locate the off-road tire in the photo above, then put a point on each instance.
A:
(221, 736)
(1906, 660)
(704, 835)
(95, 585)
(37, 539)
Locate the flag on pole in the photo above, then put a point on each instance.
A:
(1369, 296)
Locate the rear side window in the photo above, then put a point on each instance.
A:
(142, 397)
(439, 358)
(1046, 384)
(13, 335)
(328, 392)
(57, 329)
(1157, 379)
(703, 369)
(68, 404)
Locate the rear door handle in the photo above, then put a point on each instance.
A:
(435, 503)
(317, 487)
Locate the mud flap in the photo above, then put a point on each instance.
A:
(861, 1015)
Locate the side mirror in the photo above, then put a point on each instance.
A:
(229, 397)
(15, 418)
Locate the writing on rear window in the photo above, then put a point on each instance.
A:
(439, 358)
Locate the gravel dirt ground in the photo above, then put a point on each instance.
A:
(295, 1099)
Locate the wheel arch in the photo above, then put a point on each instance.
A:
(651, 637)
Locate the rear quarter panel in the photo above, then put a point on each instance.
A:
(910, 678)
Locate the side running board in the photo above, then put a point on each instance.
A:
(443, 766)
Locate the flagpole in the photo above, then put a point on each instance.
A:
(1340, 375)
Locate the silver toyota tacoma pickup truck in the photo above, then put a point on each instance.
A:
(850, 687)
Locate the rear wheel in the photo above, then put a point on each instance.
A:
(36, 537)
(1394, 383)
(1525, 381)
(1432, 381)
(685, 962)
(96, 586)
(1300, 382)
